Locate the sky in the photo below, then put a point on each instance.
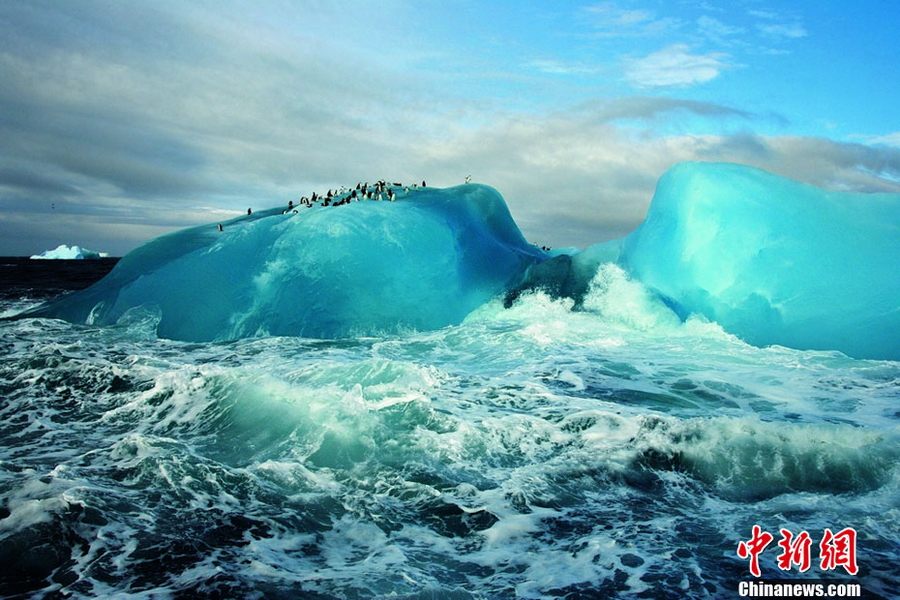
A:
(122, 120)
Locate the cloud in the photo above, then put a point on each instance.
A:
(793, 30)
(610, 15)
(777, 25)
(575, 177)
(558, 67)
(611, 21)
(716, 30)
(891, 139)
(657, 107)
(193, 108)
(674, 66)
(125, 123)
(25, 178)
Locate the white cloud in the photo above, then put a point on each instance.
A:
(609, 20)
(793, 30)
(674, 66)
(557, 67)
(891, 139)
(779, 26)
(716, 29)
(609, 15)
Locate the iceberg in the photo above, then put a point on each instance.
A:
(63, 252)
(772, 260)
(362, 268)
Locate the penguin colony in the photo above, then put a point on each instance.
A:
(381, 190)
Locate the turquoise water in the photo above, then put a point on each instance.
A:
(528, 452)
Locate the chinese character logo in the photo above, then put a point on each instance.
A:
(754, 547)
(835, 550)
(839, 550)
(794, 551)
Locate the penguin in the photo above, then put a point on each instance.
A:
(220, 227)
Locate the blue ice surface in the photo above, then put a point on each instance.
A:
(368, 267)
(772, 260)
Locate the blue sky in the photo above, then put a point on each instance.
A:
(120, 121)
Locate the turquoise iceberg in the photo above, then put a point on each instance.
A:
(772, 260)
(363, 268)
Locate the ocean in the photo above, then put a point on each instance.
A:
(534, 451)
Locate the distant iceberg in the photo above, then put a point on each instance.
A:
(773, 261)
(63, 252)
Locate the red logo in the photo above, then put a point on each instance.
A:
(839, 550)
(835, 550)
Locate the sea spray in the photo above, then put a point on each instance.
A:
(533, 451)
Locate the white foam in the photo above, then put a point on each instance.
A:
(520, 453)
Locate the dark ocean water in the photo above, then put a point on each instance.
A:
(22, 277)
(529, 452)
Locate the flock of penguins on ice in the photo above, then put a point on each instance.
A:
(381, 190)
